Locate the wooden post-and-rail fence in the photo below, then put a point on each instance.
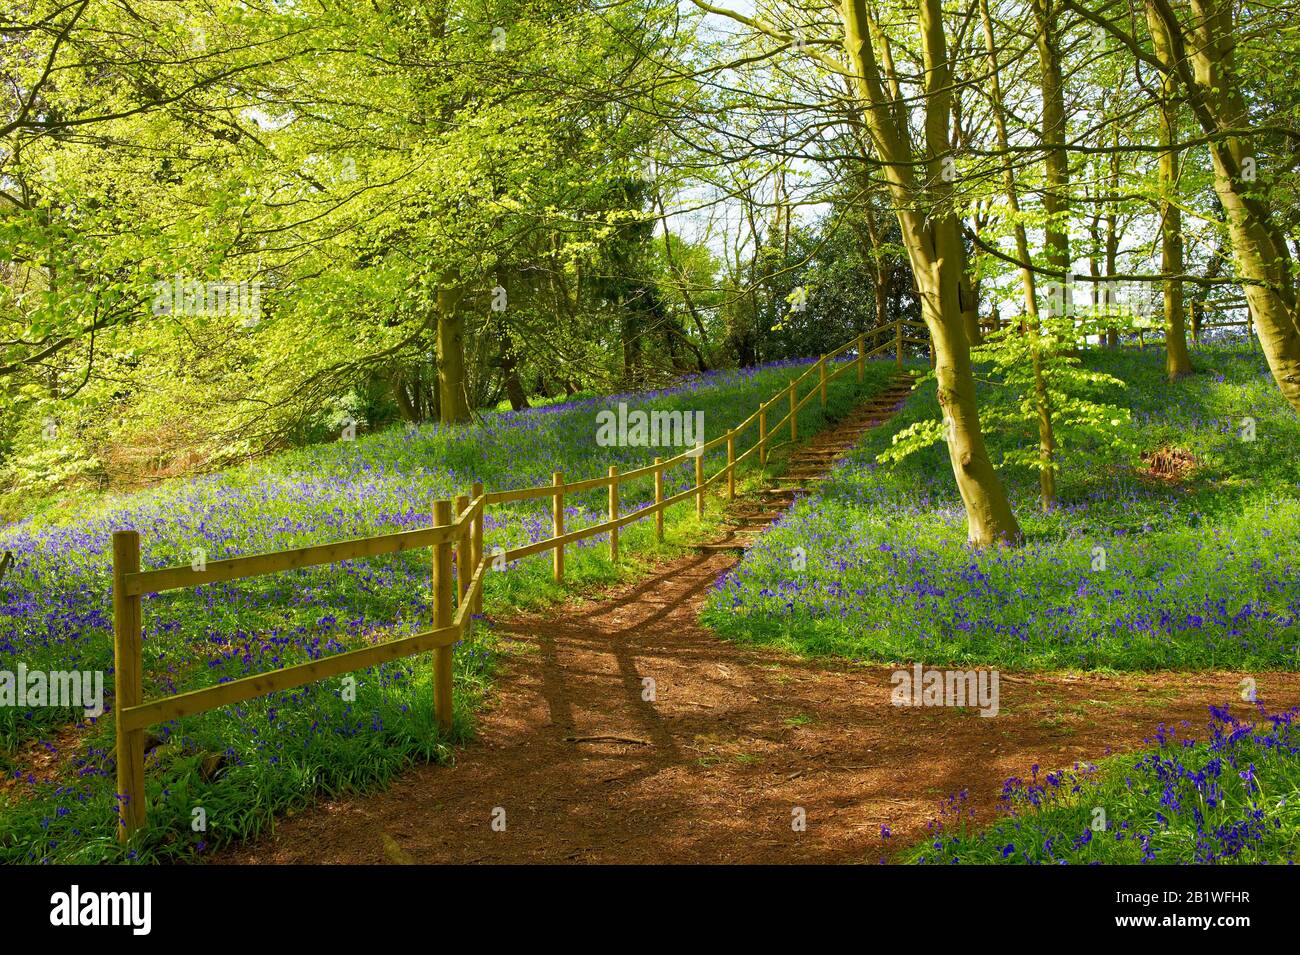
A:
(455, 536)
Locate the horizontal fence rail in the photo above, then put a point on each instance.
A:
(455, 535)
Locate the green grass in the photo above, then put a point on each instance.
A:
(280, 753)
(1201, 573)
(1231, 796)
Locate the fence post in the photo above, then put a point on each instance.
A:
(613, 513)
(462, 550)
(794, 413)
(442, 588)
(762, 435)
(821, 366)
(731, 464)
(476, 544)
(128, 689)
(862, 357)
(557, 525)
(898, 343)
(659, 497)
(699, 483)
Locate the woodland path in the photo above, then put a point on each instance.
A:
(736, 738)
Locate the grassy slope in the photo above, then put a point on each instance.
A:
(1231, 797)
(241, 764)
(1201, 574)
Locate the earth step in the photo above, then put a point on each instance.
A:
(733, 541)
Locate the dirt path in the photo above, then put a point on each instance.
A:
(587, 769)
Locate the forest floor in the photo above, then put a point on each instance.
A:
(578, 759)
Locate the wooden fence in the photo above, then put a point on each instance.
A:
(456, 527)
(1197, 312)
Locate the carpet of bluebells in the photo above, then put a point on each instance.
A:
(1129, 572)
(1230, 796)
(241, 764)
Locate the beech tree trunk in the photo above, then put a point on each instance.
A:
(1200, 58)
(1177, 360)
(1056, 162)
(1112, 244)
(935, 251)
(1042, 402)
(509, 364)
(453, 405)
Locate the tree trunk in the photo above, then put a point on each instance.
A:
(397, 384)
(509, 364)
(1204, 70)
(1056, 188)
(970, 309)
(883, 278)
(1177, 360)
(883, 273)
(453, 405)
(1042, 402)
(934, 248)
(1112, 248)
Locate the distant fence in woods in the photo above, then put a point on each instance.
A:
(457, 527)
(1198, 311)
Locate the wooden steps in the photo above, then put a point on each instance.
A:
(806, 466)
(721, 546)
